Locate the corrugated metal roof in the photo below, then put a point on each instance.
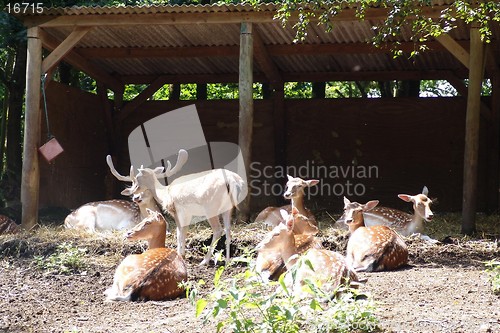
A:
(347, 35)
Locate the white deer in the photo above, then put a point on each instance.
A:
(209, 193)
(109, 215)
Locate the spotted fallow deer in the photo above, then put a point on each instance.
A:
(209, 193)
(374, 248)
(153, 275)
(404, 223)
(294, 191)
(269, 262)
(330, 268)
(8, 226)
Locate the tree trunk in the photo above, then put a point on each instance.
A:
(14, 125)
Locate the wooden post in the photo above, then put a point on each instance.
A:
(493, 138)
(30, 183)
(246, 107)
(472, 132)
(279, 127)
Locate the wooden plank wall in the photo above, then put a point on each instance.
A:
(411, 142)
(76, 176)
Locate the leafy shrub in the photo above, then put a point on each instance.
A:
(493, 270)
(244, 302)
(67, 259)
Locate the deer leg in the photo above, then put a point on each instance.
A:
(217, 233)
(181, 239)
(226, 217)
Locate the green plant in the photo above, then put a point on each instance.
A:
(244, 302)
(493, 270)
(67, 259)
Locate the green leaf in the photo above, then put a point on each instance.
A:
(218, 274)
(200, 306)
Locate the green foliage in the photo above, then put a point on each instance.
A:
(243, 302)
(67, 259)
(493, 270)
(298, 90)
(401, 14)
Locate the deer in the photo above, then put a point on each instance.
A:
(294, 191)
(208, 193)
(327, 266)
(154, 275)
(404, 223)
(270, 264)
(110, 215)
(8, 226)
(374, 248)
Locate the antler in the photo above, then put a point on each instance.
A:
(115, 173)
(181, 160)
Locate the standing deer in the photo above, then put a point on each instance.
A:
(294, 191)
(8, 226)
(329, 267)
(269, 261)
(374, 248)
(153, 275)
(404, 223)
(111, 214)
(209, 193)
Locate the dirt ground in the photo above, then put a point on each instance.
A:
(445, 289)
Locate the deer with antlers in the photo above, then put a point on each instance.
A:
(404, 223)
(294, 191)
(153, 275)
(374, 248)
(208, 193)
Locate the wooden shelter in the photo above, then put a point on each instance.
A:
(411, 141)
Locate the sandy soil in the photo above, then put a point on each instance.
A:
(444, 290)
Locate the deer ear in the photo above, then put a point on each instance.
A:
(127, 192)
(312, 182)
(405, 197)
(289, 177)
(425, 190)
(346, 202)
(370, 205)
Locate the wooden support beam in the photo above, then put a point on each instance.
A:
(245, 137)
(141, 98)
(64, 48)
(165, 18)
(472, 119)
(30, 181)
(264, 60)
(280, 130)
(233, 51)
(493, 147)
(455, 49)
(81, 63)
(303, 77)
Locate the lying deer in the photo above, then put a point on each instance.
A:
(294, 191)
(209, 193)
(404, 223)
(374, 248)
(270, 263)
(329, 267)
(8, 226)
(111, 214)
(153, 275)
